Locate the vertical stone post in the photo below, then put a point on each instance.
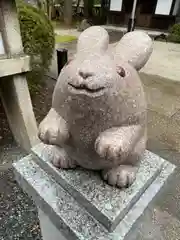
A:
(14, 89)
(131, 22)
(48, 230)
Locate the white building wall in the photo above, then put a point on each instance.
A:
(163, 7)
(116, 5)
(1, 45)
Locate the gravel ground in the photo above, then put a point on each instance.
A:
(18, 214)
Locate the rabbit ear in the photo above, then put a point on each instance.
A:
(93, 40)
(135, 48)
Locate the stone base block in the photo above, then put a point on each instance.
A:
(79, 204)
(48, 230)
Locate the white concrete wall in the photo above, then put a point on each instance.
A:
(163, 7)
(116, 5)
(1, 45)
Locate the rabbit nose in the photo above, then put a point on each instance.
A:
(85, 73)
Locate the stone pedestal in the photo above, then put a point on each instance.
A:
(48, 230)
(77, 204)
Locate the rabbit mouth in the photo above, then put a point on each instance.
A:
(85, 88)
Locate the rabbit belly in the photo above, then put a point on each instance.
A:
(87, 158)
(82, 143)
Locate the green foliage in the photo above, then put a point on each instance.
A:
(38, 40)
(174, 33)
(97, 1)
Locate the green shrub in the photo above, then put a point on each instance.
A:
(174, 33)
(38, 40)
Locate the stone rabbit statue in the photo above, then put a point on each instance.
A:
(98, 115)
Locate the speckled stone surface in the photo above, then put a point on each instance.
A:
(60, 206)
(67, 214)
(107, 204)
(98, 112)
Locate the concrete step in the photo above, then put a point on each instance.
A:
(156, 224)
(163, 98)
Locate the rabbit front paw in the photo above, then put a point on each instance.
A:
(61, 159)
(122, 176)
(53, 129)
(58, 157)
(107, 147)
(48, 133)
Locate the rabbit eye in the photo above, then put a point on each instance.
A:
(121, 72)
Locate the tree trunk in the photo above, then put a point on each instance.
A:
(39, 4)
(47, 6)
(88, 8)
(68, 12)
(50, 12)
